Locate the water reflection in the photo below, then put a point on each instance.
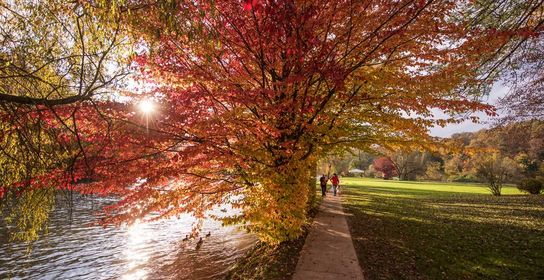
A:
(135, 254)
(141, 251)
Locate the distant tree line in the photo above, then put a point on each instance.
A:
(511, 153)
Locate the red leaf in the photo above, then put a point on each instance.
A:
(247, 5)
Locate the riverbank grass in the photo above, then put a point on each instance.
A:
(272, 262)
(428, 230)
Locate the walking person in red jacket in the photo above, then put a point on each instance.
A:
(335, 182)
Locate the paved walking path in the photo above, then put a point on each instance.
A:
(328, 252)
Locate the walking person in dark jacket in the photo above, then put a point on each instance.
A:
(323, 182)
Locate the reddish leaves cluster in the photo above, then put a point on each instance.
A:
(385, 166)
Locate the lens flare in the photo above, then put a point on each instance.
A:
(146, 106)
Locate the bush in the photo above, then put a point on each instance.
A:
(532, 186)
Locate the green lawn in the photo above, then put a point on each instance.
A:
(428, 230)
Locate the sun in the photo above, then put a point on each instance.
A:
(146, 106)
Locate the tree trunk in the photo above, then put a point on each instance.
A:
(277, 206)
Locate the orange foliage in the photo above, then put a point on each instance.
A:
(251, 94)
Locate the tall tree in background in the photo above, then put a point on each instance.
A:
(525, 99)
(408, 165)
(386, 166)
(494, 170)
(250, 96)
(519, 61)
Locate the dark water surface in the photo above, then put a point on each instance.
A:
(75, 250)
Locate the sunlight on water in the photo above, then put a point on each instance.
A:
(143, 250)
(138, 235)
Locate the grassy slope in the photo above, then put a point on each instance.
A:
(427, 230)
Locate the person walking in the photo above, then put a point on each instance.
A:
(335, 182)
(323, 182)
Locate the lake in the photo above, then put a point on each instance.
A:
(72, 249)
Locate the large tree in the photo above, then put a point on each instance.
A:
(409, 165)
(57, 59)
(386, 166)
(525, 100)
(494, 170)
(519, 61)
(250, 96)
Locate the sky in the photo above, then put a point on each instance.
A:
(498, 91)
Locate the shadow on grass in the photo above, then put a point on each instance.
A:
(418, 234)
(407, 191)
(420, 183)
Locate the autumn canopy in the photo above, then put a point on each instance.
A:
(248, 95)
